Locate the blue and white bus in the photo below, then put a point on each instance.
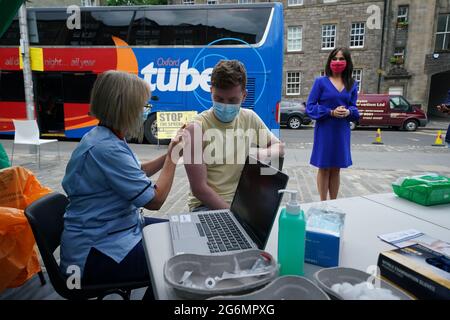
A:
(173, 48)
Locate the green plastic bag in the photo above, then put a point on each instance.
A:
(427, 190)
(4, 160)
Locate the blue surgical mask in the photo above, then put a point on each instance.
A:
(226, 112)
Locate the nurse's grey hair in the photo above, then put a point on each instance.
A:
(118, 100)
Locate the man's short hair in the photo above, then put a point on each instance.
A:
(228, 74)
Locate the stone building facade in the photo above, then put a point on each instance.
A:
(419, 33)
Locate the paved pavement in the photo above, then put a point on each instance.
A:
(376, 167)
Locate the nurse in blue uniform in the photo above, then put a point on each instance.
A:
(107, 186)
(332, 103)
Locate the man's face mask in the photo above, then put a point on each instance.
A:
(226, 112)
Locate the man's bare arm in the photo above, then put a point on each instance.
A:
(197, 173)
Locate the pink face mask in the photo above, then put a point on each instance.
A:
(338, 66)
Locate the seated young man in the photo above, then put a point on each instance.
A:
(221, 138)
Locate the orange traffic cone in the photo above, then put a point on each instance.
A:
(439, 141)
(378, 140)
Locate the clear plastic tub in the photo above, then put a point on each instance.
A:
(284, 288)
(202, 276)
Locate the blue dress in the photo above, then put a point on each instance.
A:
(331, 135)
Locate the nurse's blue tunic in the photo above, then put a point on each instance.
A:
(106, 187)
(331, 135)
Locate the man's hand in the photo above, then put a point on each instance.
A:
(274, 151)
(443, 108)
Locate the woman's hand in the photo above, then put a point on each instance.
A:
(340, 112)
(175, 150)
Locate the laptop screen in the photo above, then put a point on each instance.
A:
(256, 201)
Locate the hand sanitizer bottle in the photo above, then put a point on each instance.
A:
(291, 237)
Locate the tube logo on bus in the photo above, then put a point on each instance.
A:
(190, 70)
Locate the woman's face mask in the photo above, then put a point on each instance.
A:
(338, 66)
(226, 112)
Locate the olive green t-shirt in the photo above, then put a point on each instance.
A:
(226, 147)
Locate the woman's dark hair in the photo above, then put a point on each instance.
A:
(347, 74)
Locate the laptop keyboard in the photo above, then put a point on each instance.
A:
(222, 233)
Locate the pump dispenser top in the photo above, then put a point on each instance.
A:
(293, 206)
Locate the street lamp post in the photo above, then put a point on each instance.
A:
(25, 53)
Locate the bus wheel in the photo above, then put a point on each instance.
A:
(411, 125)
(352, 125)
(151, 131)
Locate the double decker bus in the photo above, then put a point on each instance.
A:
(173, 48)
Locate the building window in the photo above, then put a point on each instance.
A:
(328, 36)
(246, 1)
(399, 52)
(295, 2)
(403, 12)
(188, 2)
(399, 55)
(357, 35)
(358, 76)
(212, 2)
(88, 3)
(323, 73)
(293, 81)
(295, 38)
(443, 33)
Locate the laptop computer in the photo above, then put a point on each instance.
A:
(246, 225)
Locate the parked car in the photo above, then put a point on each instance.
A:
(293, 114)
(389, 110)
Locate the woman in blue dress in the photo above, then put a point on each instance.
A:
(332, 103)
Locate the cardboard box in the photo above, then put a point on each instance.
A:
(418, 270)
(323, 248)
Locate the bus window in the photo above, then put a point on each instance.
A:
(11, 86)
(49, 28)
(11, 37)
(169, 27)
(77, 87)
(101, 26)
(245, 24)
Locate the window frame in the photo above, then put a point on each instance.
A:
(297, 4)
(361, 76)
(288, 84)
(300, 39)
(358, 37)
(445, 33)
(402, 16)
(325, 36)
